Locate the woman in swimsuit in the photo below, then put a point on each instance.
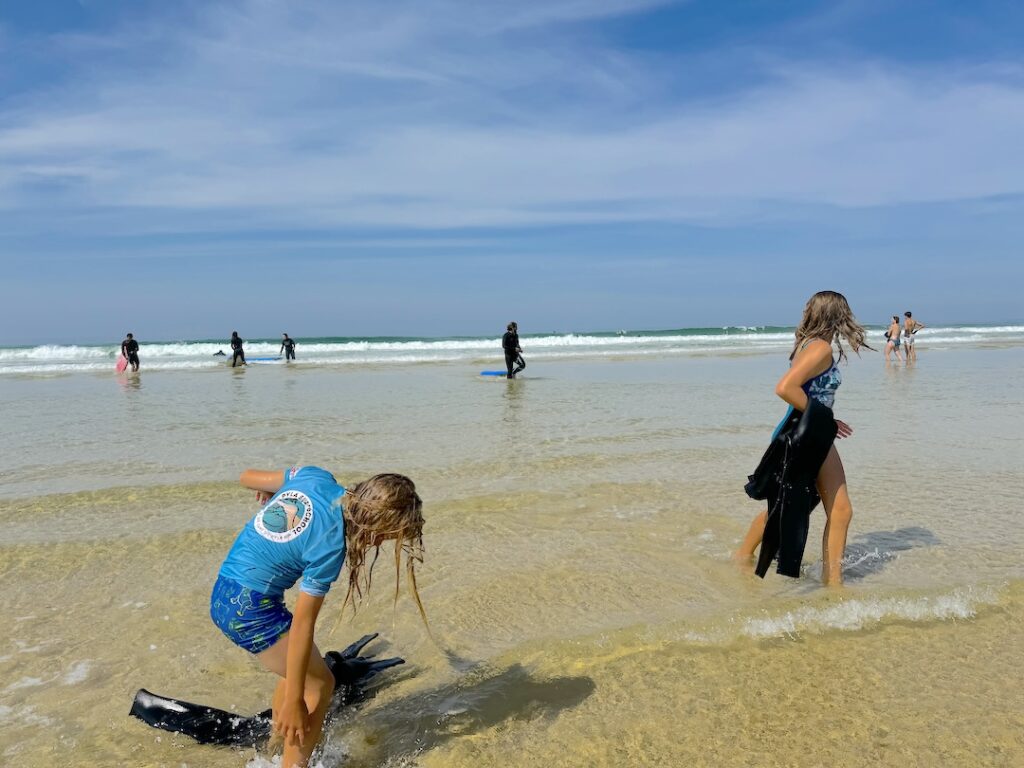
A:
(814, 373)
(893, 336)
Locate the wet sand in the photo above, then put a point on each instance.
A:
(579, 524)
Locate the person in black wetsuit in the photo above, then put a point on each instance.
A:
(130, 350)
(237, 353)
(288, 347)
(514, 362)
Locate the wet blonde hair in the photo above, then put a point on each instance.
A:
(384, 508)
(828, 316)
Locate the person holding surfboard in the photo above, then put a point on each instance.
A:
(130, 352)
(814, 375)
(308, 526)
(237, 353)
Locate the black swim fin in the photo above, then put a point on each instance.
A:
(209, 725)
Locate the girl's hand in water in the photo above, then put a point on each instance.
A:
(845, 430)
(292, 722)
(262, 497)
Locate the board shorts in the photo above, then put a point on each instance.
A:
(249, 619)
(909, 341)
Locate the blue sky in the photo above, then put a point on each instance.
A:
(433, 167)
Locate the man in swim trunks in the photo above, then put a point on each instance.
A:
(130, 350)
(910, 327)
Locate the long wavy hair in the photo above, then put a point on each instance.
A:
(828, 316)
(384, 508)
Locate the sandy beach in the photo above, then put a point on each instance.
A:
(579, 525)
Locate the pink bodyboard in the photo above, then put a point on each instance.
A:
(122, 363)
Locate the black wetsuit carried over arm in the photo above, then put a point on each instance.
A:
(785, 478)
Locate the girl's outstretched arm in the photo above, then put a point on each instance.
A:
(815, 358)
(262, 480)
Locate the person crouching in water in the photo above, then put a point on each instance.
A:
(308, 527)
(814, 373)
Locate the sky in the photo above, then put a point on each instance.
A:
(432, 167)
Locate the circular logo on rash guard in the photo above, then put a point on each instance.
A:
(285, 517)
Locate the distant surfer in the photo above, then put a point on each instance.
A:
(306, 528)
(130, 351)
(219, 353)
(288, 347)
(237, 353)
(513, 352)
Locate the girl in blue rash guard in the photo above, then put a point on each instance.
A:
(308, 526)
(814, 373)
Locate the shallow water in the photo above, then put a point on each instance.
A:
(579, 522)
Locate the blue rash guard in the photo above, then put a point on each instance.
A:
(299, 533)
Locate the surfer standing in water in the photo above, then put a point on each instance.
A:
(288, 347)
(130, 351)
(814, 373)
(513, 353)
(308, 526)
(237, 353)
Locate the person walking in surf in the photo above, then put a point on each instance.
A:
(130, 351)
(910, 329)
(288, 347)
(237, 353)
(514, 362)
(814, 374)
(892, 343)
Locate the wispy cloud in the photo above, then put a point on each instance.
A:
(436, 114)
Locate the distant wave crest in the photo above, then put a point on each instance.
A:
(52, 359)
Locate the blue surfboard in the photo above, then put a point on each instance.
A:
(494, 373)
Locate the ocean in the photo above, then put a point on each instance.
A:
(578, 579)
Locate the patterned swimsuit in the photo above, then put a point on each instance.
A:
(821, 388)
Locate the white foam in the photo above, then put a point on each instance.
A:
(848, 615)
(23, 715)
(858, 613)
(25, 682)
(79, 672)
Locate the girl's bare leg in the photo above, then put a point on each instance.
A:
(318, 691)
(753, 538)
(838, 513)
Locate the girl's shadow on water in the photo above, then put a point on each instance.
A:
(471, 704)
(869, 553)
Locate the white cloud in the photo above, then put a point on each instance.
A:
(420, 115)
